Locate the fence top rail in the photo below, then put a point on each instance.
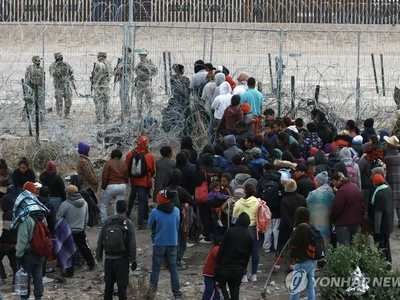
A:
(207, 27)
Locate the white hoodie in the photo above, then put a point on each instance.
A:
(222, 101)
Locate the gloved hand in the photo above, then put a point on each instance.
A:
(134, 266)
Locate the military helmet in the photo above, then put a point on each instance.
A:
(101, 53)
(141, 51)
(36, 59)
(57, 55)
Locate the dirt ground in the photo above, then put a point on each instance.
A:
(88, 285)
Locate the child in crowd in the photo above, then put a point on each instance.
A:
(270, 134)
(215, 194)
(210, 287)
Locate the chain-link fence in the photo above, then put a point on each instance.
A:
(289, 63)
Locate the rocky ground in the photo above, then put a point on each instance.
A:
(89, 285)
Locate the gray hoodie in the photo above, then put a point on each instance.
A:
(75, 211)
(241, 179)
(218, 78)
(232, 149)
(346, 158)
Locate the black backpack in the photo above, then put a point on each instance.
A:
(137, 165)
(316, 246)
(115, 235)
(272, 193)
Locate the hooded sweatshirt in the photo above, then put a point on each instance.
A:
(236, 245)
(222, 101)
(75, 211)
(249, 206)
(231, 116)
(321, 163)
(300, 237)
(232, 149)
(165, 222)
(241, 179)
(219, 78)
(346, 158)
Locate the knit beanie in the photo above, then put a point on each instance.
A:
(239, 193)
(29, 186)
(378, 179)
(51, 167)
(357, 140)
(322, 177)
(163, 197)
(290, 186)
(313, 150)
(328, 148)
(83, 149)
(378, 170)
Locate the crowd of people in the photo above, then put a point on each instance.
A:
(338, 180)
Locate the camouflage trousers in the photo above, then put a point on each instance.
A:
(30, 103)
(125, 93)
(63, 96)
(144, 96)
(101, 99)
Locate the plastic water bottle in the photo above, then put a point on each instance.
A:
(21, 282)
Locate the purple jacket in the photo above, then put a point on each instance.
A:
(348, 207)
(217, 196)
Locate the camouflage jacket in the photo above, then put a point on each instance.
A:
(145, 70)
(119, 69)
(34, 76)
(102, 74)
(62, 73)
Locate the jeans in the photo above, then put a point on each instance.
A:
(272, 231)
(56, 201)
(32, 264)
(170, 254)
(116, 271)
(384, 245)
(210, 289)
(181, 245)
(255, 259)
(112, 191)
(308, 269)
(143, 205)
(345, 234)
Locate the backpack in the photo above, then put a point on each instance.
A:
(42, 242)
(316, 246)
(271, 193)
(115, 235)
(352, 174)
(263, 217)
(228, 209)
(138, 166)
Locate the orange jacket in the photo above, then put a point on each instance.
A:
(145, 181)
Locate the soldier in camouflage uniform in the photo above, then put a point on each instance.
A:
(102, 73)
(145, 71)
(63, 78)
(34, 80)
(125, 81)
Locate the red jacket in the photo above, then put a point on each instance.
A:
(348, 207)
(145, 181)
(211, 261)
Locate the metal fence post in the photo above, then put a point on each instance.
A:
(204, 44)
(130, 22)
(279, 87)
(212, 44)
(358, 94)
(123, 78)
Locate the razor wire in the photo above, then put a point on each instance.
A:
(315, 55)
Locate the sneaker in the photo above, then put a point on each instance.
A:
(188, 245)
(47, 280)
(220, 223)
(266, 250)
(178, 297)
(253, 277)
(245, 279)
(204, 241)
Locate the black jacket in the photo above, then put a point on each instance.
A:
(236, 245)
(54, 183)
(7, 236)
(324, 133)
(383, 212)
(321, 163)
(184, 195)
(367, 133)
(274, 206)
(51, 217)
(290, 203)
(20, 179)
(304, 186)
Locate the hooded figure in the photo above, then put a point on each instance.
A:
(187, 143)
(233, 256)
(74, 210)
(219, 78)
(232, 149)
(222, 101)
(353, 171)
(85, 168)
(321, 163)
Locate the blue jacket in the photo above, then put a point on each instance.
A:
(166, 226)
